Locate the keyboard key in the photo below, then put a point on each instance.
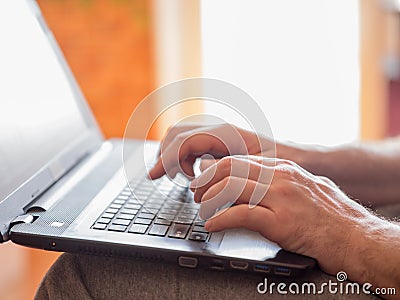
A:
(133, 206)
(189, 211)
(155, 201)
(198, 236)
(186, 216)
(100, 226)
(166, 217)
(122, 222)
(112, 210)
(199, 223)
(123, 197)
(138, 228)
(119, 201)
(135, 201)
(159, 230)
(199, 229)
(143, 221)
(142, 195)
(172, 206)
(183, 220)
(126, 216)
(104, 220)
(152, 205)
(117, 206)
(179, 231)
(162, 222)
(126, 193)
(129, 211)
(191, 205)
(108, 215)
(144, 215)
(115, 227)
(145, 187)
(169, 211)
(150, 210)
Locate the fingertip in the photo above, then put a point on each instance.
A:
(151, 175)
(154, 173)
(196, 198)
(208, 225)
(193, 185)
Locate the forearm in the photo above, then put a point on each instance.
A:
(376, 258)
(369, 172)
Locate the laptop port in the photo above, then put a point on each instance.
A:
(217, 265)
(262, 268)
(282, 271)
(240, 265)
(188, 262)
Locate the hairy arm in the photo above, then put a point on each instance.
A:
(369, 172)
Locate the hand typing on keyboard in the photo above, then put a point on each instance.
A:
(287, 204)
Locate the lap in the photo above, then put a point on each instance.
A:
(90, 277)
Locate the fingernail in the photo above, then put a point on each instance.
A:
(193, 184)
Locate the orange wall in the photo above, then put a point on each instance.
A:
(108, 45)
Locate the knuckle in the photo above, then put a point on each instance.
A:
(225, 163)
(326, 180)
(225, 181)
(287, 162)
(242, 214)
(287, 169)
(283, 171)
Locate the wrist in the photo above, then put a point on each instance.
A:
(373, 253)
(309, 157)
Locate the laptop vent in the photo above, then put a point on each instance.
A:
(89, 250)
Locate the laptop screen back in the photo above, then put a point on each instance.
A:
(39, 114)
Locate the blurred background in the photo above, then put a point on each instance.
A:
(323, 71)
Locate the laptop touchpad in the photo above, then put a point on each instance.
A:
(246, 244)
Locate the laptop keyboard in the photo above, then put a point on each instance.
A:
(158, 208)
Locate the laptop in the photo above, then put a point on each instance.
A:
(63, 187)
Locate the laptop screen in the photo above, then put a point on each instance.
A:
(39, 114)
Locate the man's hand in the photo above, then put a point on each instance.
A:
(183, 144)
(302, 213)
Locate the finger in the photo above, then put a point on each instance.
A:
(206, 163)
(218, 141)
(258, 218)
(229, 191)
(177, 153)
(173, 131)
(230, 166)
(284, 166)
(263, 160)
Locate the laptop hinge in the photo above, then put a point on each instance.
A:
(22, 219)
(4, 229)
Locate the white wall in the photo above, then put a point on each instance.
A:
(298, 59)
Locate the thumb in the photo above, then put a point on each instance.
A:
(259, 219)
